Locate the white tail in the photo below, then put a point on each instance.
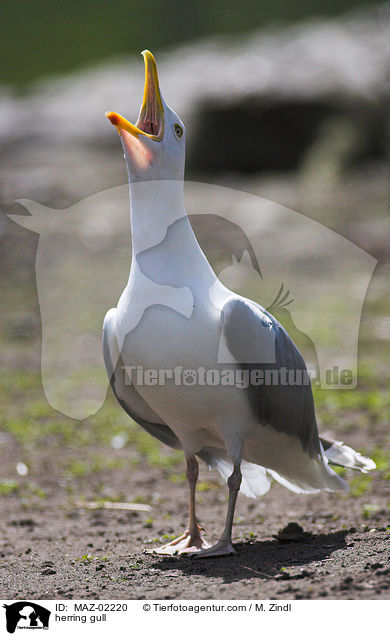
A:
(340, 454)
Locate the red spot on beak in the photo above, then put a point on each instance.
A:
(114, 119)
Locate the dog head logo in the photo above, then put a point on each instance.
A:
(26, 615)
(83, 261)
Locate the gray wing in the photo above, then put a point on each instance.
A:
(126, 394)
(248, 330)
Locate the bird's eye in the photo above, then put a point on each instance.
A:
(178, 130)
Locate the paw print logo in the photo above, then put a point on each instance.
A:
(189, 377)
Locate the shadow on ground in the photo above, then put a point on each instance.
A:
(260, 559)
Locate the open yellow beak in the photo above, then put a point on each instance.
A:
(151, 118)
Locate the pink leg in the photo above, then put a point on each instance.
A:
(191, 541)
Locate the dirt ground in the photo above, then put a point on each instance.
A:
(55, 549)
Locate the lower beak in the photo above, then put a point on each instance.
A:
(150, 122)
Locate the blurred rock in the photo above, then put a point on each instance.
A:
(292, 533)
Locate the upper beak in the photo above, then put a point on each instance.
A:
(151, 118)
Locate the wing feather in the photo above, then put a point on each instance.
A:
(249, 331)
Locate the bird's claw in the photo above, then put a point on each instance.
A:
(187, 543)
(222, 548)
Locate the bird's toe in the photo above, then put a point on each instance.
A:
(187, 543)
(220, 549)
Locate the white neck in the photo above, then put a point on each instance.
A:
(154, 205)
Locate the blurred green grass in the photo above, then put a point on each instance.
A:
(63, 452)
(73, 455)
(49, 37)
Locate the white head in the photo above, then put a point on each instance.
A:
(154, 147)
